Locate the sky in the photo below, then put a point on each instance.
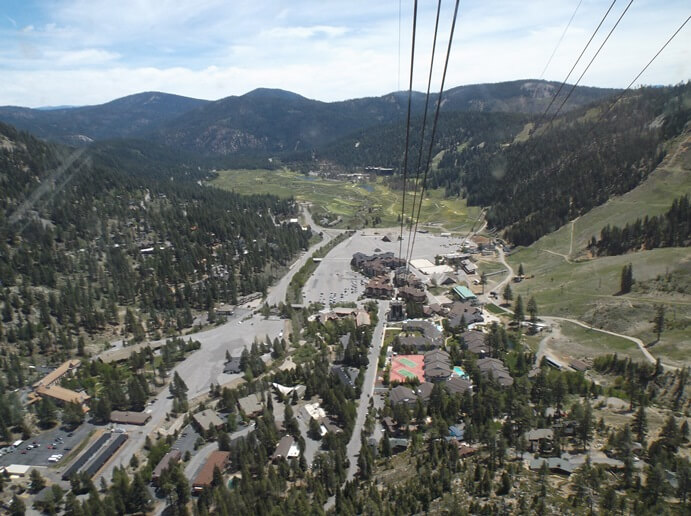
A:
(81, 52)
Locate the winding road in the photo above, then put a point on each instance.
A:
(647, 354)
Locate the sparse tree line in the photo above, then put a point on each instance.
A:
(535, 187)
(671, 229)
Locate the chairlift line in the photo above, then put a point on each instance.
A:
(407, 130)
(424, 126)
(573, 87)
(575, 64)
(621, 95)
(434, 125)
(549, 61)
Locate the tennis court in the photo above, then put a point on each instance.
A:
(407, 362)
(407, 367)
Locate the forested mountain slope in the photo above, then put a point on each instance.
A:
(269, 121)
(565, 169)
(522, 96)
(129, 116)
(80, 238)
(383, 145)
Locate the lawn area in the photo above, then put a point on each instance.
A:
(592, 343)
(357, 204)
(391, 334)
(587, 291)
(492, 308)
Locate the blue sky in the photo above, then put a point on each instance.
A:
(77, 52)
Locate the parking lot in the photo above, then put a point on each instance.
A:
(335, 282)
(53, 442)
(328, 286)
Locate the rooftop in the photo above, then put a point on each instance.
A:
(217, 459)
(207, 419)
(58, 373)
(251, 404)
(129, 418)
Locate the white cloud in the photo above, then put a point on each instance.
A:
(91, 51)
(304, 32)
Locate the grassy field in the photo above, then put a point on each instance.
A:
(357, 204)
(567, 283)
(652, 197)
(577, 340)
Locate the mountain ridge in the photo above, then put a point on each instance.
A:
(268, 120)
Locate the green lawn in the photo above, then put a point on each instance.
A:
(566, 282)
(357, 204)
(594, 343)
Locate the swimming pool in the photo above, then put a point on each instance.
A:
(460, 372)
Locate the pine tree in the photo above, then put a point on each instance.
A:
(508, 293)
(640, 423)
(518, 314)
(532, 310)
(37, 481)
(659, 321)
(626, 279)
(17, 507)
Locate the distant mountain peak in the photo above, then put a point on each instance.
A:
(272, 93)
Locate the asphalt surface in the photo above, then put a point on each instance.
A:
(38, 456)
(277, 293)
(353, 448)
(205, 366)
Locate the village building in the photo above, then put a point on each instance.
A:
(416, 295)
(428, 330)
(468, 266)
(206, 420)
(287, 449)
(495, 368)
(457, 385)
(464, 293)
(539, 439)
(168, 460)
(402, 394)
(475, 342)
(129, 418)
(379, 287)
(48, 387)
(217, 459)
(377, 264)
(464, 312)
(360, 316)
(251, 405)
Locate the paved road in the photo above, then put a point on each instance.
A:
(353, 448)
(499, 287)
(277, 293)
(205, 366)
